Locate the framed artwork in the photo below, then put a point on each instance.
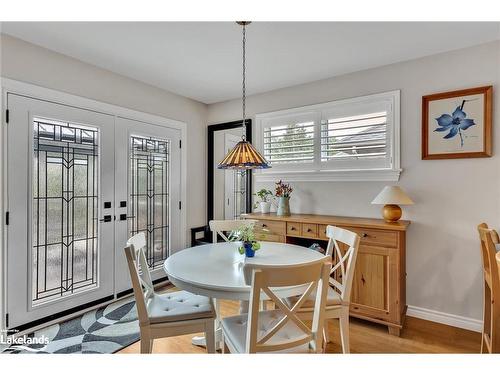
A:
(457, 124)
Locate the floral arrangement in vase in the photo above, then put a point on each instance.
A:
(283, 192)
(246, 235)
(265, 197)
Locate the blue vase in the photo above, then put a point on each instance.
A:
(249, 251)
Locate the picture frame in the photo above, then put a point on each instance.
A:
(457, 124)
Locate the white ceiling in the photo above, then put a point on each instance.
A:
(202, 60)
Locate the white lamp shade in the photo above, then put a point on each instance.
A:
(392, 195)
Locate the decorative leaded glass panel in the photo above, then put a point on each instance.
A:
(65, 209)
(149, 201)
(239, 186)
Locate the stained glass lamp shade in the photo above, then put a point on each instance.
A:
(243, 156)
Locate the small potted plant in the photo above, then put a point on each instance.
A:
(264, 202)
(246, 235)
(283, 192)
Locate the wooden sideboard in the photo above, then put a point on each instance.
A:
(379, 287)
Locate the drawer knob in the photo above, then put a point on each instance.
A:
(293, 228)
(364, 235)
(309, 230)
(264, 225)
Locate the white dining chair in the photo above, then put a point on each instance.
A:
(222, 227)
(169, 314)
(281, 329)
(341, 277)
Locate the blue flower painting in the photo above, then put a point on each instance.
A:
(454, 124)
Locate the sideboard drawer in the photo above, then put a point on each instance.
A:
(322, 231)
(269, 237)
(310, 230)
(376, 237)
(293, 229)
(270, 227)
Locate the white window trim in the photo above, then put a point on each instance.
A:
(298, 175)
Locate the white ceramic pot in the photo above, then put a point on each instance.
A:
(265, 207)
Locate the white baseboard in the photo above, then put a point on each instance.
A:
(445, 318)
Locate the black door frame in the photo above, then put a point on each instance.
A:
(210, 164)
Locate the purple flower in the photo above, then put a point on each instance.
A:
(454, 123)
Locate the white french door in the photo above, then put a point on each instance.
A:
(79, 183)
(147, 198)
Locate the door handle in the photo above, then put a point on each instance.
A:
(106, 219)
(125, 217)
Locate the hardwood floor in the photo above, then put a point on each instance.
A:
(418, 336)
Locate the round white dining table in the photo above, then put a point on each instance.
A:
(216, 270)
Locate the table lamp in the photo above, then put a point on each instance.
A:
(391, 197)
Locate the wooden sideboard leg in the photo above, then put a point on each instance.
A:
(395, 331)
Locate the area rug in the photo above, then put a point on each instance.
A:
(104, 330)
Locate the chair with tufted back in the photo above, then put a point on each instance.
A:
(169, 314)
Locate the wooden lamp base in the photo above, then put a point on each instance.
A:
(392, 213)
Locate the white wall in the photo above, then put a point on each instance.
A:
(452, 196)
(33, 64)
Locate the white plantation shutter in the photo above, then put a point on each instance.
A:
(358, 140)
(352, 137)
(290, 140)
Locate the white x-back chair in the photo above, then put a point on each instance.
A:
(340, 280)
(222, 227)
(281, 329)
(169, 314)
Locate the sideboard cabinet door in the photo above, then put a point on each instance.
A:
(375, 286)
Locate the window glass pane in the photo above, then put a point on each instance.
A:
(355, 137)
(149, 200)
(289, 143)
(64, 209)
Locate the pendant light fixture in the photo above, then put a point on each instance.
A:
(244, 155)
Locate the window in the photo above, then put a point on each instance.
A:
(354, 139)
(290, 143)
(65, 204)
(149, 180)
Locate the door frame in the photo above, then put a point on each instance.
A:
(211, 129)
(236, 139)
(41, 93)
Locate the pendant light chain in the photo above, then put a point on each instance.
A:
(244, 89)
(244, 156)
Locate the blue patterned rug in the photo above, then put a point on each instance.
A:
(104, 330)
